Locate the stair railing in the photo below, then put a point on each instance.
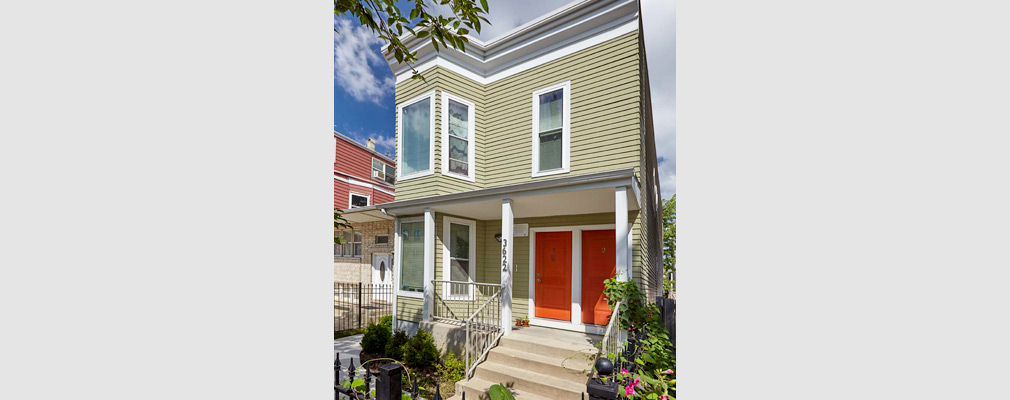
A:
(483, 329)
(614, 338)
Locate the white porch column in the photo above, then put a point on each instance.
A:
(506, 266)
(622, 249)
(429, 263)
(395, 262)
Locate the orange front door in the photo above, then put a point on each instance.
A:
(553, 281)
(598, 264)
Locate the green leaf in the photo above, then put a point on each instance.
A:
(499, 392)
(483, 4)
(462, 31)
(414, 13)
(422, 34)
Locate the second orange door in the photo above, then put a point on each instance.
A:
(553, 287)
(598, 264)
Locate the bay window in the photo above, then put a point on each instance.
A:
(416, 140)
(551, 133)
(457, 137)
(411, 255)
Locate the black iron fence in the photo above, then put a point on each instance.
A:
(390, 382)
(356, 304)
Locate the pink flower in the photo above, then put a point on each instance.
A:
(636, 381)
(630, 390)
(624, 371)
(669, 371)
(664, 397)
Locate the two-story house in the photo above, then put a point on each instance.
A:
(362, 178)
(526, 175)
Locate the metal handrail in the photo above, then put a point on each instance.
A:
(614, 338)
(495, 331)
(481, 304)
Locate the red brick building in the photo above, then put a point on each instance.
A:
(361, 176)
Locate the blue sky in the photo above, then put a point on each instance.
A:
(363, 104)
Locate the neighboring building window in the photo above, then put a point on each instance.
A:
(351, 246)
(382, 239)
(459, 253)
(457, 137)
(412, 256)
(416, 136)
(551, 133)
(358, 200)
(383, 172)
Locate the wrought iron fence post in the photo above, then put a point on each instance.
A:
(359, 305)
(390, 384)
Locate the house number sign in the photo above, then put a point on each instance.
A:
(504, 255)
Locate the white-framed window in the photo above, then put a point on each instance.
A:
(458, 139)
(383, 172)
(358, 200)
(551, 133)
(411, 257)
(351, 246)
(415, 138)
(459, 256)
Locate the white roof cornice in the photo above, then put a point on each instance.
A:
(570, 28)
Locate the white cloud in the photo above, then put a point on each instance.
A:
(353, 57)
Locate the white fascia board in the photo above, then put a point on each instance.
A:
(506, 69)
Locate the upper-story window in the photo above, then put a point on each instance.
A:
(416, 141)
(457, 137)
(551, 133)
(358, 200)
(383, 172)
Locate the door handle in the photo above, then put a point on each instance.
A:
(538, 280)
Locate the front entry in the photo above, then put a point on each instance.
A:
(553, 287)
(382, 270)
(598, 264)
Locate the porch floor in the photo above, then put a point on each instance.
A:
(536, 363)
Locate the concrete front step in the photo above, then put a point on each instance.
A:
(552, 346)
(476, 389)
(575, 368)
(526, 381)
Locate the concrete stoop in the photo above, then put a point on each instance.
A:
(535, 364)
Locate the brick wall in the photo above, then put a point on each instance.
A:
(359, 269)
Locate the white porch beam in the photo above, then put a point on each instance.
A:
(621, 229)
(395, 262)
(506, 265)
(429, 263)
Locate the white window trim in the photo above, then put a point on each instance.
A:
(399, 137)
(352, 242)
(398, 253)
(566, 137)
(350, 198)
(446, 260)
(383, 170)
(471, 136)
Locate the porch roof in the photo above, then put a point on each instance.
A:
(570, 195)
(365, 214)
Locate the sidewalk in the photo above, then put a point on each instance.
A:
(349, 348)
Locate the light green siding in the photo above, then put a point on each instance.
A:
(489, 256)
(605, 117)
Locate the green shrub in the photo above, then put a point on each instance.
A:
(375, 338)
(420, 350)
(394, 348)
(450, 371)
(387, 321)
